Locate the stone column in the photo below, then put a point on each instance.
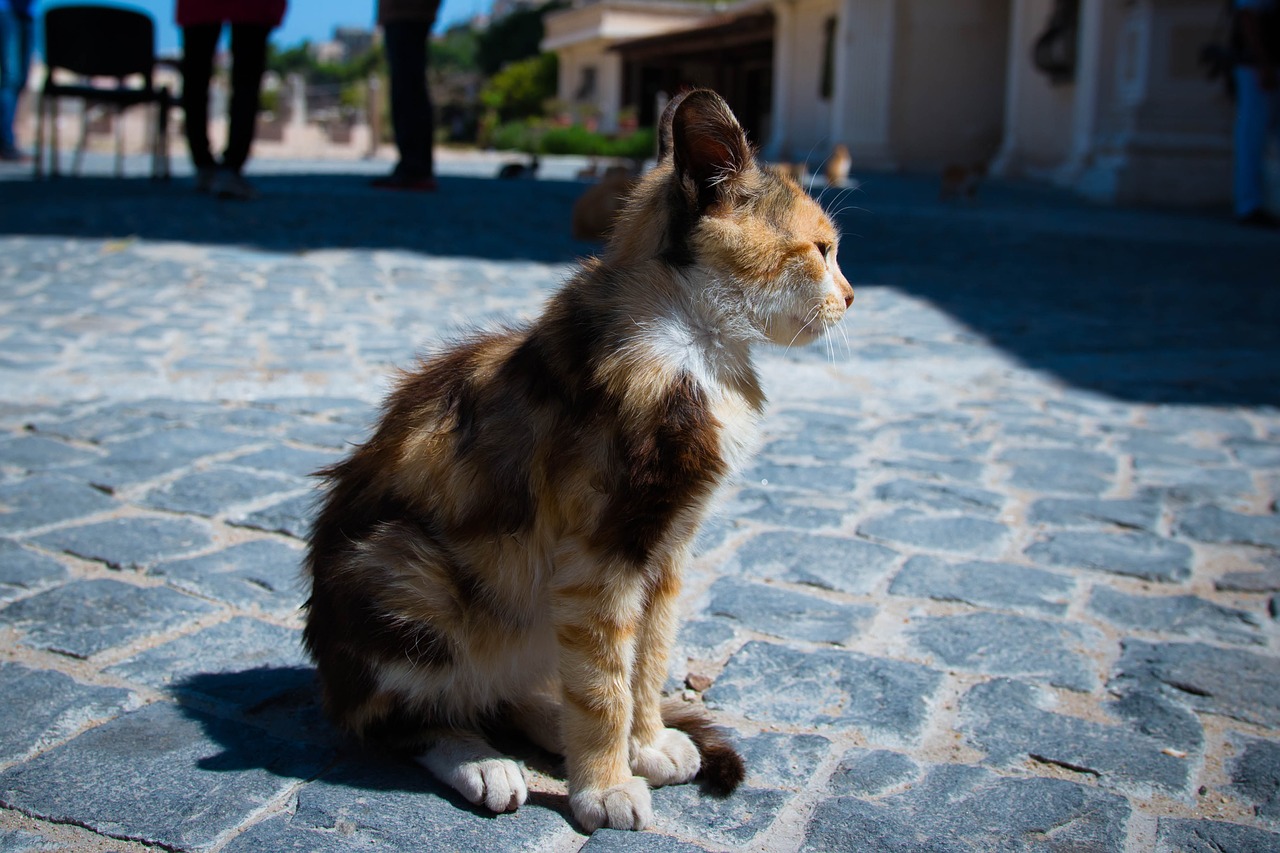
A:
(865, 82)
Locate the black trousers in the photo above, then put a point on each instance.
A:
(248, 62)
(411, 115)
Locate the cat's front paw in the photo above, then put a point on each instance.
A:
(495, 783)
(669, 760)
(625, 806)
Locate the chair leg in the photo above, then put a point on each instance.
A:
(119, 128)
(53, 148)
(41, 111)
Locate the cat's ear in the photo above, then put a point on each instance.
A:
(708, 146)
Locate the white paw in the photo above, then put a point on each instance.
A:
(482, 776)
(625, 806)
(669, 760)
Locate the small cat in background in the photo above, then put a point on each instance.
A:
(510, 171)
(508, 546)
(838, 165)
(960, 181)
(596, 209)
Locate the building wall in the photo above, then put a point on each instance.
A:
(948, 77)
(803, 125)
(1038, 114)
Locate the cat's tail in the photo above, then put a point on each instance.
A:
(722, 768)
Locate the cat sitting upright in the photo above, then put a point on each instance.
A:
(508, 545)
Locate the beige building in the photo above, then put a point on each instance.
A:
(1102, 96)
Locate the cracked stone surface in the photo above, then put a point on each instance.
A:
(1003, 576)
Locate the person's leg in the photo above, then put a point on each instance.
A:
(248, 62)
(198, 45)
(411, 115)
(14, 57)
(1250, 141)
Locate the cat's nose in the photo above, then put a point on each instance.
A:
(847, 292)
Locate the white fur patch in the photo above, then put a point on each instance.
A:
(478, 772)
(672, 759)
(625, 806)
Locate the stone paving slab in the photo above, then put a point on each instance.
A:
(1004, 575)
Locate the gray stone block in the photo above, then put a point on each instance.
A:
(884, 699)
(828, 562)
(1159, 450)
(136, 460)
(784, 512)
(161, 775)
(1158, 716)
(729, 823)
(827, 479)
(1000, 644)
(1255, 776)
(1060, 470)
(1002, 585)
(1185, 615)
(1006, 720)
(953, 444)
(39, 453)
(38, 501)
(940, 533)
(957, 808)
(21, 841)
(218, 490)
(1230, 682)
(1141, 555)
(264, 573)
(242, 662)
(129, 543)
(39, 708)
(378, 805)
(941, 496)
(1214, 524)
(959, 470)
(620, 841)
(1091, 512)
(24, 571)
(291, 516)
(1209, 836)
(779, 760)
(705, 638)
(286, 460)
(1255, 454)
(870, 773)
(1264, 581)
(787, 614)
(83, 618)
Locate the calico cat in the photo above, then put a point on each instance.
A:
(508, 545)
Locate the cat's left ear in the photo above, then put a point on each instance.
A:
(709, 147)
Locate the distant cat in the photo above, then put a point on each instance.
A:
(960, 181)
(596, 209)
(838, 164)
(509, 171)
(508, 546)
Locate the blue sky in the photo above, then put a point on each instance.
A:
(305, 19)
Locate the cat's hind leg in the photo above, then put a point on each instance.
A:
(466, 763)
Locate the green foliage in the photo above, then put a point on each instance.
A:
(513, 38)
(520, 89)
(534, 136)
(455, 51)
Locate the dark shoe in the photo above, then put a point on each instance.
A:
(408, 183)
(13, 155)
(227, 184)
(1259, 219)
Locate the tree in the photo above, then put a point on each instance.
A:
(513, 38)
(521, 88)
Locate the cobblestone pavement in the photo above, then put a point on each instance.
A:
(1004, 576)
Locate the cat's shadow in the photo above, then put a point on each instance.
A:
(270, 719)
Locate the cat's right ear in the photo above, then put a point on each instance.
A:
(708, 146)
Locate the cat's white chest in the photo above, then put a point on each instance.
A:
(739, 433)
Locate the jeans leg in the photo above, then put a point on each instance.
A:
(248, 62)
(198, 45)
(15, 58)
(411, 114)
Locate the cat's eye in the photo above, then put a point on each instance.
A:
(824, 249)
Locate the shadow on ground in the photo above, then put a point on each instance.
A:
(1147, 306)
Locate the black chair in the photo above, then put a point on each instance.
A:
(112, 53)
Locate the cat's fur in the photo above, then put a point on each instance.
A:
(509, 542)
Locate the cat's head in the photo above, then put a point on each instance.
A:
(764, 243)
